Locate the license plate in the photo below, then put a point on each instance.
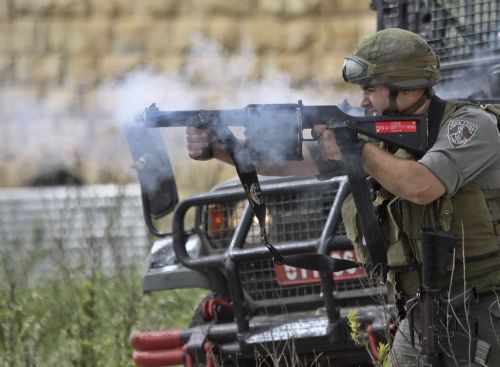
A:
(289, 275)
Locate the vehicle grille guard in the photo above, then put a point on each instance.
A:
(235, 253)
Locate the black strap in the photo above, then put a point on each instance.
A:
(248, 177)
(250, 181)
(419, 103)
(437, 108)
(393, 109)
(347, 140)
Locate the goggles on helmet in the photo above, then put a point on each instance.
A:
(357, 70)
(424, 69)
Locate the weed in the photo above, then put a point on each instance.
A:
(70, 291)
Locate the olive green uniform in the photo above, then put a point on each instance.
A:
(466, 158)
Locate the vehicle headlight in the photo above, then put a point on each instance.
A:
(193, 246)
(219, 221)
(162, 253)
(224, 218)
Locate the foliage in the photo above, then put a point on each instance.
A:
(83, 321)
(66, 306)
(50, 324)
(61, 307)
(360, 338)
(354, 325)
(383, 352)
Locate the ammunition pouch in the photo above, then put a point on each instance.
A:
(353, 230)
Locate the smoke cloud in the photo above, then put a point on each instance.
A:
(84, 131)
(67, 130)
(212, 79)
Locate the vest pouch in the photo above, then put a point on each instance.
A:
(477, 228)
(399, 253)
(352, 228)
(445, 213)
(412, 221)
(494, 206)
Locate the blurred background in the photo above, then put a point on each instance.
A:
(72, 72)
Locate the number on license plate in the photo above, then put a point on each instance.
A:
(289, 275)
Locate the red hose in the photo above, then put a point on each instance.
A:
(155, 340)
(157, 358)
(208, 310)
(189, 360)
(207, 347)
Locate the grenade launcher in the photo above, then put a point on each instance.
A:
(275, 132)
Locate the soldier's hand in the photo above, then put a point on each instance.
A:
(327, 143)
(200, 143)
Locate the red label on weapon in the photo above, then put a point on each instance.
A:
(392, 127)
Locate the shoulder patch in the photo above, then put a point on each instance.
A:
(460, 132)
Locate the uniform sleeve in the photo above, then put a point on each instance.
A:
(327, 169)
(465, 146)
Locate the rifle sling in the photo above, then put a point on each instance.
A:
(248, 176)
(250, 181)
(437, 107)
(359, 187)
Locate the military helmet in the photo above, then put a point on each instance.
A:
(393, 57)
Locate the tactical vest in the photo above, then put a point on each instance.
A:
(471, 213)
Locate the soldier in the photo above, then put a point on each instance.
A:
(459, 176)
(457, 182)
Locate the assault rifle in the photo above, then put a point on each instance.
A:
(439, 329)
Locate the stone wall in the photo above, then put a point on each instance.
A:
(59, 59)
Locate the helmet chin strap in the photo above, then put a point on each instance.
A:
(393, 109)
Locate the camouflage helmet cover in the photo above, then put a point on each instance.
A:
(394, 57)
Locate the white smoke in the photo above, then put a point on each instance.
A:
(65, 130)
(212, 79)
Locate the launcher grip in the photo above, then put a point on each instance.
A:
(204, 155)
(205, 137)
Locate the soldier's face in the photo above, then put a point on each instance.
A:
(375, 99)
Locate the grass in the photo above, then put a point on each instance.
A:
(77, 317)
(79, 312)
(82, 320)
(59, 307)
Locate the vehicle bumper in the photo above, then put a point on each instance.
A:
(300, 333)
